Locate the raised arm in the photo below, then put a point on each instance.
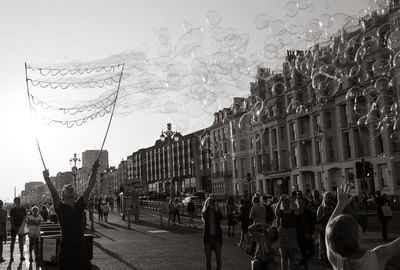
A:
(53, 191)
(343, 198)
(92, 180)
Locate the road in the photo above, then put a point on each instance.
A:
(149, 245)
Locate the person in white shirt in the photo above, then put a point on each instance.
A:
(33, 221)
(343, 241)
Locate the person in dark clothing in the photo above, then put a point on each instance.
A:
(305, 228)
(72, 253)
(191, 208)
(17, 217)
(244, 213)
(100, 209)
(381, 201)
(44, 213)
(212, 237)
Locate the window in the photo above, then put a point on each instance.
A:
(282, 134)
(233, 127)
(251, 143)
(284, 159)
(242, 145)
(259, 164)
(266, 136)
(346, 146)
(295, 156)
(328, 119)
(317, 123)
(235, 168)
(343, 115)
(225, 148)
(243, 167)
(274, 139)
(292, 130)
(234, 146)
(379, 144)
(331, 150)
(273, 110)
(275, 161)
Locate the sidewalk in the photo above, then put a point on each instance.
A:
(370, 239)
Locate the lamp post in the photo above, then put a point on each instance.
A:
(74, 169)
(192, 176)
(321, 150)
(248, 177)
(170, 137)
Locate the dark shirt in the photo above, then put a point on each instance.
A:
(287, 220)
(217, 226)
(305, 222)
(17, 215)
(191, 207)
(44, 214)
(71, 223)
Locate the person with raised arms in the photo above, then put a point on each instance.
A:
(72, 253)
(343, 241)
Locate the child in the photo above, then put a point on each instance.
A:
(343, 241)
(105, 209)
(3, 231)
(33, 221)
(265, 236)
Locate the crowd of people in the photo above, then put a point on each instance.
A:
(293, 224)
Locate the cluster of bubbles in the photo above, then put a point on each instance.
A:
(198, 72)
(72, 96)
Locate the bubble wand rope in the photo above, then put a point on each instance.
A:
(30, 109)
(112, 112)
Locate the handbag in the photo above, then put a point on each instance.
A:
(23, 229)
(387, 211)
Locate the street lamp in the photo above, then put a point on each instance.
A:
(170, 137)
(321, 150)
(192, 176)
(74, 169)
(248, 177)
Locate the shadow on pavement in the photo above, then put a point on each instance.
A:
(114, 255)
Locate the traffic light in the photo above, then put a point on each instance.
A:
(359, 169)
(368, 169)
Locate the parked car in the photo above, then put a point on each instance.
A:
(197, 201)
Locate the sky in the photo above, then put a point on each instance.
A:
(46, 32)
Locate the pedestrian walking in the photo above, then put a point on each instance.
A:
(171, 211)
(305, 229)
(111, 204)
(176, 211)
(244, 213)
(17, 217)
(381, 202)
(33, 221)
(52, 214)
(100, 210)
(286, 211)
(72, 252)
(269, 212)
(343, 241)
(231, 211)
(257, 211)
(324, 212)
(212, 236)
(3, 229)
(105, 209)
(191, 208)
(44, 213)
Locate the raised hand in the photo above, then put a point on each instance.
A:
(343, 194)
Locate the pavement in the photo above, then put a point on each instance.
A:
(149, 245)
